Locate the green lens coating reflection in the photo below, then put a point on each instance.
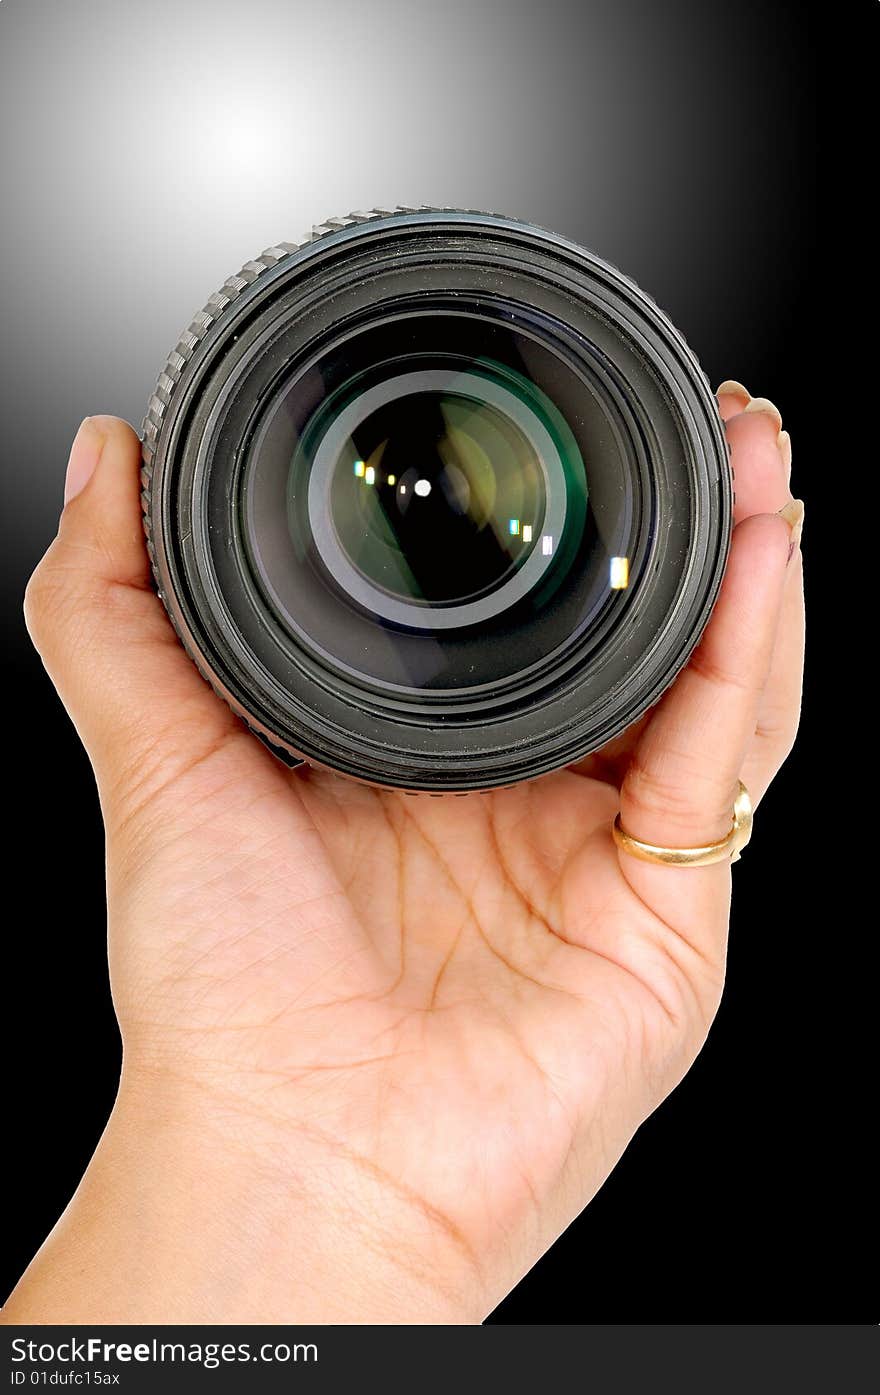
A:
(449, 492)
(439, 488)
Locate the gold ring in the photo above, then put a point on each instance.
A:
(729, 847)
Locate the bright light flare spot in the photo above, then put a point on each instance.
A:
(513, 525)
(618, 573)
(546, 545)
(422, 488)
(527, 532)
(359, 468)
(369, 475)
(392, 479)
(403, 489)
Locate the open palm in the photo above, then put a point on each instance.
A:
(444, 1016)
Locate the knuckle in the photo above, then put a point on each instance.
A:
(776, 738)
(57, 595)
(665, 782)
(719, 674)
(680, 794)
(650, 789)
(41, 598)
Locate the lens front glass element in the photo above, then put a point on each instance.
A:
(436, 496)
(441, 501)
(430, 493)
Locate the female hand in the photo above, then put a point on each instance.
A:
(379, 1050)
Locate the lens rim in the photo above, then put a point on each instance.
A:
(307, 718)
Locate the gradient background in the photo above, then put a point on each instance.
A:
(147, 149)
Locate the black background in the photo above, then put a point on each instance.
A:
(700, 170)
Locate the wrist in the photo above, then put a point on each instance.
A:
(193, 1212)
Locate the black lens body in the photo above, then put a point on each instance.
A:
(435, 499)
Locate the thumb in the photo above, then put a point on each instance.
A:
(100, 629)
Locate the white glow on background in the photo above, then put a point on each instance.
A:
(165, 144)
(422, 488)
(243, 134)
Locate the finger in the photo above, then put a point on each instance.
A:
(761, 462)
(732, 398)
(100, 628)
(756, 458)
(681, 783)
(760, 486)
(780, 705)
(751, 437)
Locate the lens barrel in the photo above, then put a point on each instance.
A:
(435, 499)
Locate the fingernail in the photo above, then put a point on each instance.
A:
(793, 513)
(783, 441)
(84, 456)
(731, 388)
(763, 404)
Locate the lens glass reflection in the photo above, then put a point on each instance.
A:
(434, 495)
(441, 503)
(437, 497)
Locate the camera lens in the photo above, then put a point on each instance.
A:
(438, 500)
